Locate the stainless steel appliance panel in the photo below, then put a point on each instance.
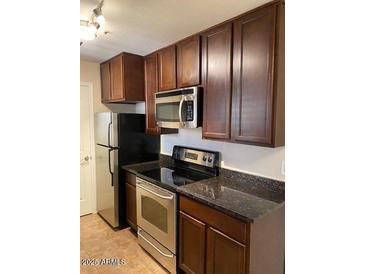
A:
(106, 129)
(107, 184)
(120, 140)
(156, 213)
(164, 256)
(179, 108)
(102, 121)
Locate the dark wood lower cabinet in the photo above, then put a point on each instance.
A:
(131, 203)
(224, 254)
(192, 244)
(213, 242)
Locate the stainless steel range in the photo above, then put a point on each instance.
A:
(157, 203)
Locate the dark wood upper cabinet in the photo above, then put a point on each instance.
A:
(116, 71)
(257, 102)
(239, 63)
(192, 245)
(167, 68)
(151, 87)
(125, 80)
(188, 62)
(105, 81)
(224, 254)
(216, 79)
(133, 68)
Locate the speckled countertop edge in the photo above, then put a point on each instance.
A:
(228, 177)
(223, 209)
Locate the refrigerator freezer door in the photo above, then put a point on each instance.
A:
(107, 193)
(103, 122)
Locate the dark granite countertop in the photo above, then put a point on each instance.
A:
(243, 196)
(240, 195)
(136, 169)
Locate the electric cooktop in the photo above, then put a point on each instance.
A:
(190, 165)
(175, 177)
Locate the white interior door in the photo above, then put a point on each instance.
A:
(86, 151)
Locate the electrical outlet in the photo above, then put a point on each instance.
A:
(283, 167)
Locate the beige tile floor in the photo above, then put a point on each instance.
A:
(99, 241)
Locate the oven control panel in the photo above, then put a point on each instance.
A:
(196, 156)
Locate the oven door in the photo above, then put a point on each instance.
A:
(156, 213)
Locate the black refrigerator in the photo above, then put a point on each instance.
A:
(120, 140)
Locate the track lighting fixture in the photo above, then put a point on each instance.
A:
(89, 29)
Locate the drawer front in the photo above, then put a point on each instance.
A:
(164, 256)
(226, 224)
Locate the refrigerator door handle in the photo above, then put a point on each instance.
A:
(109, 126)
(109, 165)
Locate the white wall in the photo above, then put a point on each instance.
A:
(256, 160)
(141, 108)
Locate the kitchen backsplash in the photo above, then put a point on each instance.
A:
(261, 161)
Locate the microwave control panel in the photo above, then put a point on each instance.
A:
(189, 111)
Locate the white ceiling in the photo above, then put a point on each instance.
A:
(143, 26)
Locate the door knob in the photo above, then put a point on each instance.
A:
(86, 158)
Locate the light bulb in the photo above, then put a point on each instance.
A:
(100, 19)
(87, 32)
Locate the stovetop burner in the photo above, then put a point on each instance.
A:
(175, 177)
(190, 165)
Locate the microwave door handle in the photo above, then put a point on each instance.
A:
(180, 109)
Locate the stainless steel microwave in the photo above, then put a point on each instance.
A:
(179, 108)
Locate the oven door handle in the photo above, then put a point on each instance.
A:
(162, 253)
(180, 108)
(154, 193)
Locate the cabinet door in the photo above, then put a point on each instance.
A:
(216, 76)
(188, 62)
(224, 254)
(151, 86)
(133, 77)
(105, 81)
(253, 72)
(192, 245)
(131, 205)
(167, 68)
(116, 69)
